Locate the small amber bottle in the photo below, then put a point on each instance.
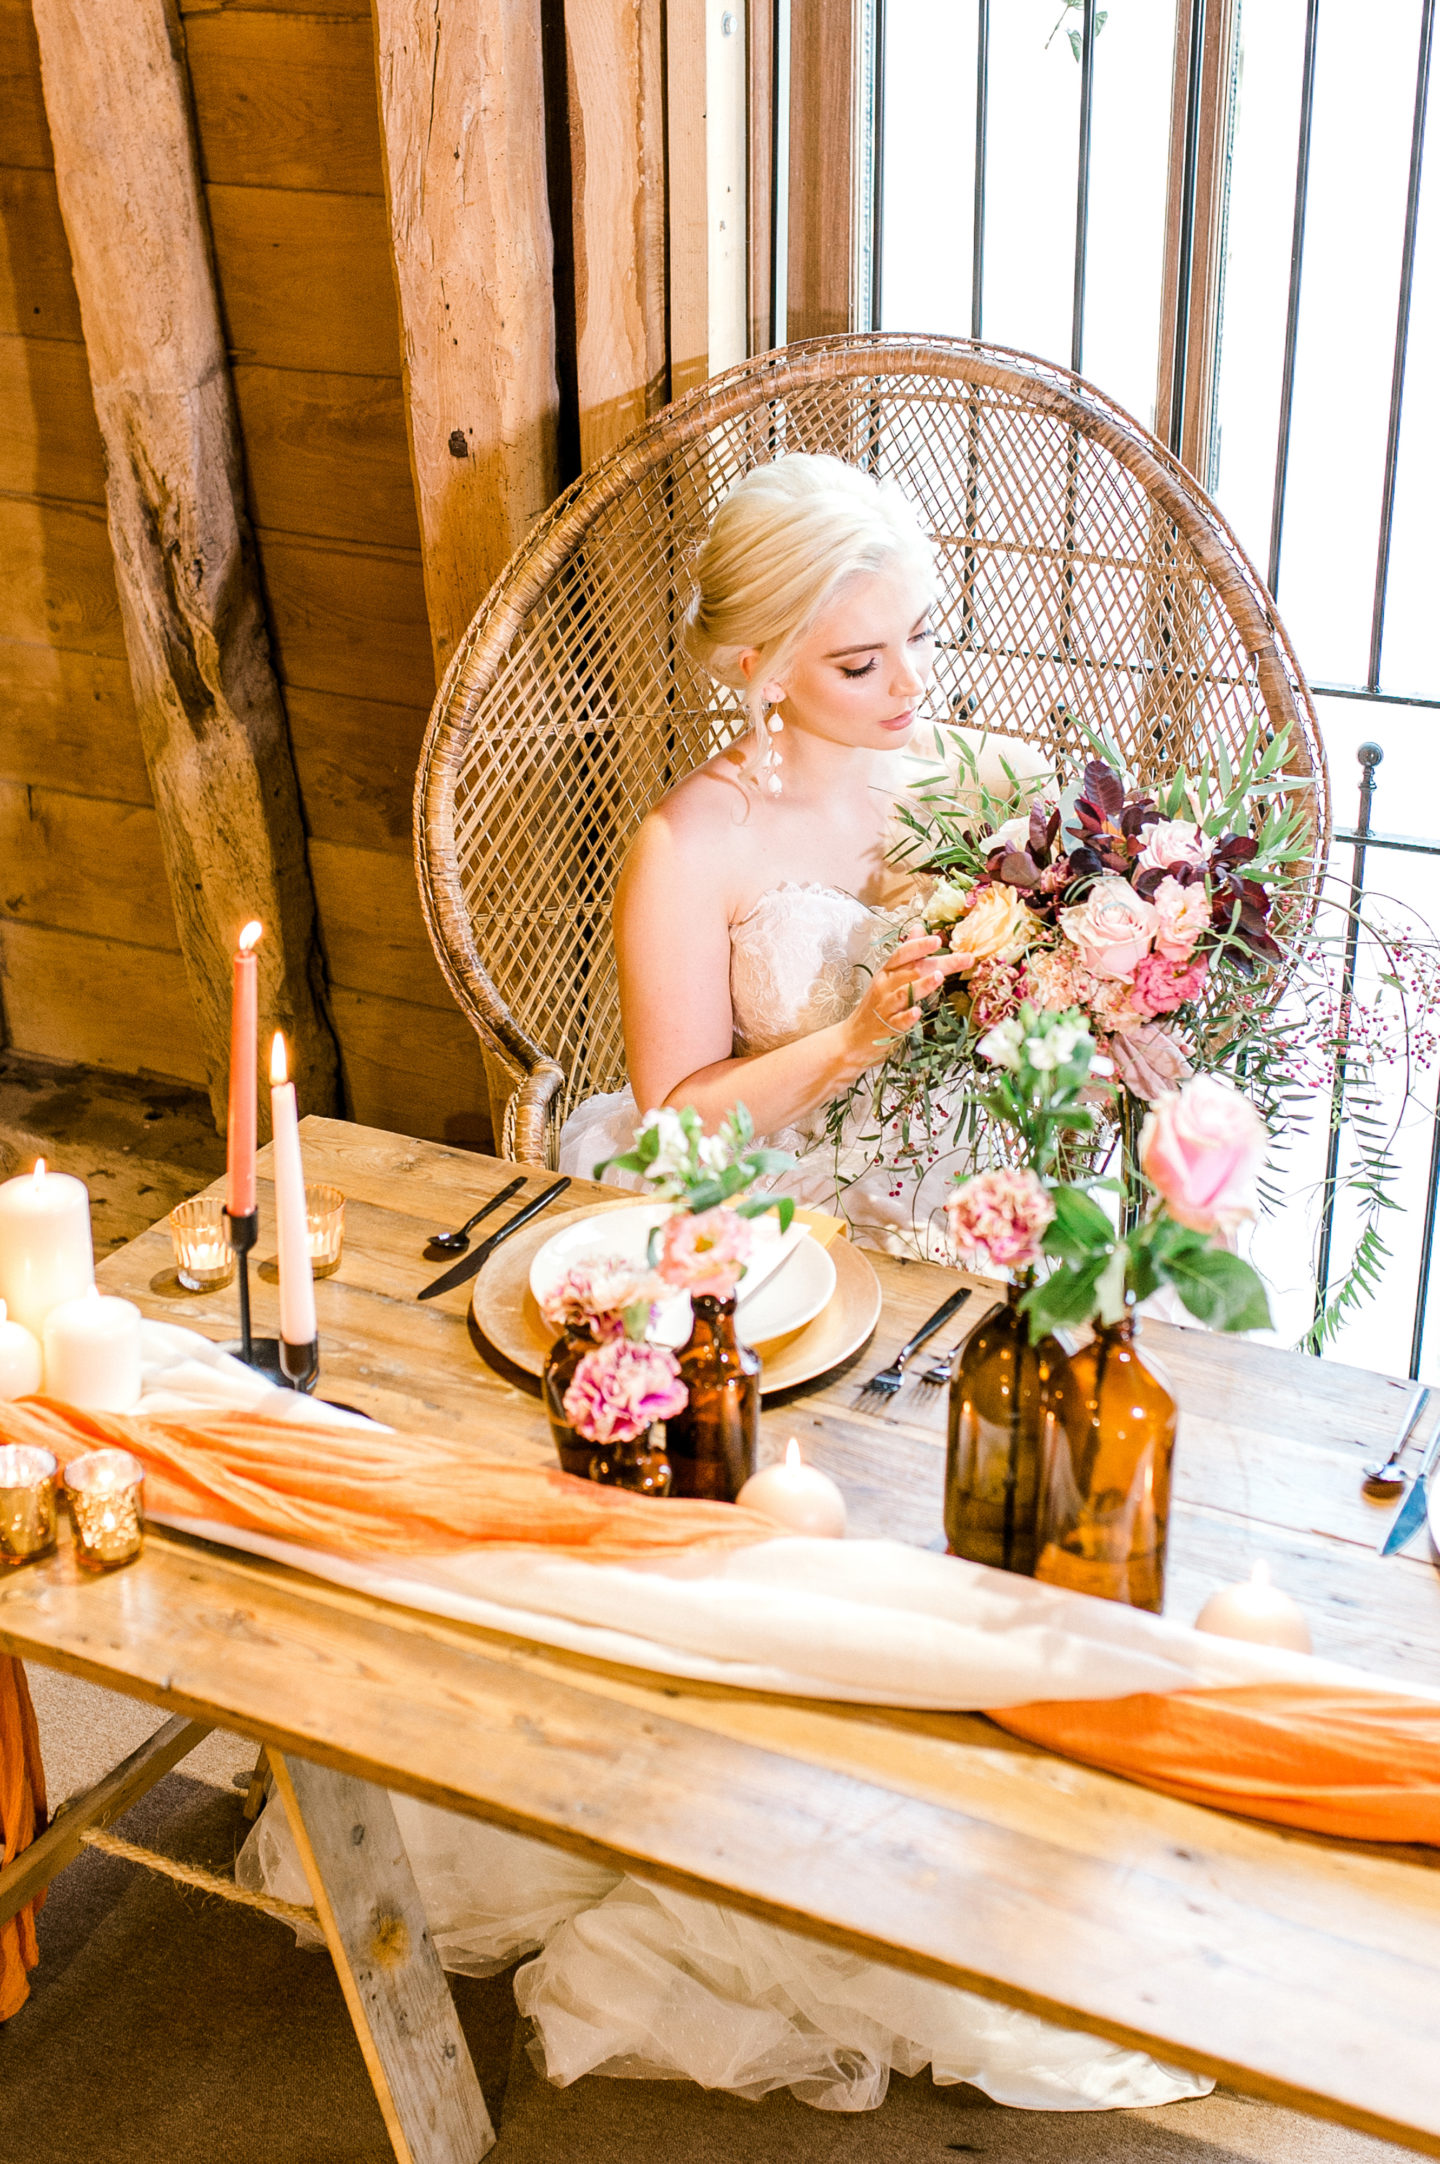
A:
(711, 1445)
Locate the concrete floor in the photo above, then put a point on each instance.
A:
(170, 2026)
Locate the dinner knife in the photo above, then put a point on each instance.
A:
(469, 1267)
(1411, 1515)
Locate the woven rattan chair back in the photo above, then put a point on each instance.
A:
(1082, 574)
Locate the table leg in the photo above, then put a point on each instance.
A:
(394, 1986)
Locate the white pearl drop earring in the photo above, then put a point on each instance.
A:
(769, 778)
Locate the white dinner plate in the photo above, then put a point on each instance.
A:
(802, 1286)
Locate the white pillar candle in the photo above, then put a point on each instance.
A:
(92, 1353)
(297, 1279)
(46, 1253)
(797, 1496)
(20, 1367)
(1258, 1611)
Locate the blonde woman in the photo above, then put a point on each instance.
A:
(757, 903)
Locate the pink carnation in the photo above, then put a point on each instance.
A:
(1056, 978)
(1182, 916)
(598, 1292)
(998, 1219)
(704, 1252)
(994, 993)
(1161, 986)
(621, 1389)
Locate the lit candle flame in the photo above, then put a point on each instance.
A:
(279, 1065)
(792, 1455)
(250, 937)
(39, 1170)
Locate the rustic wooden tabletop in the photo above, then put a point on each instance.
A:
(1298, 1969)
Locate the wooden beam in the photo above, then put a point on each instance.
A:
(760, 197)
(210, 712)
(616, 109)
(364, 1892)
(687, 194)
(124, 1785)
(1201, 113)
(462, 124)
(821, 244)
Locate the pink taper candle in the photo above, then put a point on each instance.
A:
(240, 1137)
(297, 1280)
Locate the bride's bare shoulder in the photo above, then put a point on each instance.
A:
(692, 832)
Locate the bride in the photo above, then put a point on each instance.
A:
(752, 924)
(759, 921)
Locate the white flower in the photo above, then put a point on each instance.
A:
(674, 1158)
(1001, 1045)
(715, 1153)
(1052, 1049)
(1015, 834)
(946, 906)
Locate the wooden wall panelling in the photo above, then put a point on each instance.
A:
(326, 454)
(211, 718)
(305, 280)
(688, 195)
(37, 292)
(375, 936)
(49, 441)
(24, 137)
(84, 864)
(326, 10)
(416, 1070)
(99, 1003)
(616, 106)
(57, 576)
(285, 101)
(760, 196)
(462, 114)
(356, 759)
(348, 619)
(67, 721)
(821, 300)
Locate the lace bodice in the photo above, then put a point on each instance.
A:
(798, 962)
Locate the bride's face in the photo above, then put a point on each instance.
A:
(858, 678)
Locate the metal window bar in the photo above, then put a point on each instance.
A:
(1082, 188)
(1402, 339)
(1185, 270)
(1292, 308)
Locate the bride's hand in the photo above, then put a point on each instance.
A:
(894, 997)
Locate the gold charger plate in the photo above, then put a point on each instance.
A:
(507, 1317)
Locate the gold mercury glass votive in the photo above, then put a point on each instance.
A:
(324, 1228)
(105, 1492)
(204, 1258)
(27, 1503)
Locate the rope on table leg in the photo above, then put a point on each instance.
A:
(193, 1874)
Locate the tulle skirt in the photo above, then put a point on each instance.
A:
(632, 1979)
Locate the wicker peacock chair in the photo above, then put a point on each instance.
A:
(1082, 572)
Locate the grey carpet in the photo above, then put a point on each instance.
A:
(169, 2026)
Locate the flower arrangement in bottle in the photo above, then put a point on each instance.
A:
(595, 1301)
(618, 1394)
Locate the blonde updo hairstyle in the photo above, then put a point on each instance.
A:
(783, 543)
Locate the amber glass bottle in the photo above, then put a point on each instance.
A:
(1105, 1489)
(640, 1464)
(711, 1445)
(992, 1464)
(564, 1356)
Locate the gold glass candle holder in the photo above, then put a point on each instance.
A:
(27, 1504)
(105, 1491)
(324, 1228)
(204, 1258)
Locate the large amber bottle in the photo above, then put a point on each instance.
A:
(711, 1445)
(1105, 1490)
(992, 1463)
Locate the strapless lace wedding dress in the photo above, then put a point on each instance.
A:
(799, 960)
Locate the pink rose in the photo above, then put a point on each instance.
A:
(1148, 1060)
(621, 1389)
(1174, 841)
(1162, 985)
(704, 1252)
(1183, 913)
(1201, 1149)
(1111, 928)
(998, 1219)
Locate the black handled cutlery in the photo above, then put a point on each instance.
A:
(472, 1265)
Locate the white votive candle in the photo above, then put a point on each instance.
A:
(20, 1367)
(46, 1253)
(1256, 1610)
(797, 1496)
(92, 1353)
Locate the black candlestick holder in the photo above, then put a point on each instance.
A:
(299, 1364)
(267, 1355)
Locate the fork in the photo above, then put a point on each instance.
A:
(886, 1383)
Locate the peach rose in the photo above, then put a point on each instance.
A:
(1201, 1149)
(1111, 928)
(1183, 913)
(996, 927)
(1174, 841)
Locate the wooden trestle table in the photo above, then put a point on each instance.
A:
(1296, 1969)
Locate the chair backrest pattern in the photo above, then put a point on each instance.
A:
(1082, 575)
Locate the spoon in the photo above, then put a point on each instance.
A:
(1383, 1475)
(455, 1243)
